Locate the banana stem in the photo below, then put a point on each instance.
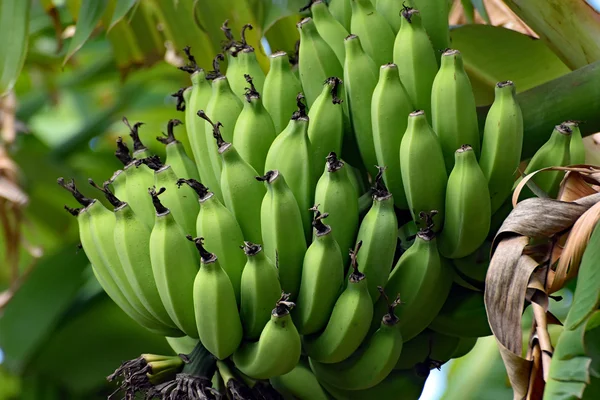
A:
(237, 388)
(200, 362)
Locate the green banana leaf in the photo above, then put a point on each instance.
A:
(90, 14)
(121, 9)
(14, 26)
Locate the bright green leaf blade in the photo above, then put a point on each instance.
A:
(122, 7)
(480, 7)
(277, 10)
(90, 13)
(14, 27)
(283, 34)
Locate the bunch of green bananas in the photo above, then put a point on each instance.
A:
(267, 244)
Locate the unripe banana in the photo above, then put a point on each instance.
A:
(390, 107)
(416, 60)
(217, 318)
(282, 231)
(182, 165)
(118, 181)
(378, 232)
(423, 280)
(254, 130)
(348, 324)
(330, 29)
(433, 346)
(376, 35)
(322, 279)
(317, 60)
(473, 268)
(139, 179)
(577, 147)
(337, 196)
(291, 154)
(280, 91)
(468, 210)
(326, 127)
(372, 363)
(221, 231)
(360, 79)
(241, 192)
(421, 160)
(554, 153)
(342, 12)
(225, 107)
(260, 289)
(277, 351)
(390, 10)
(453, 109)
(435, 21)
(300, 383)
(175, 265)
(462, 315)
(246, 64)
(139, 150)
(502, 144)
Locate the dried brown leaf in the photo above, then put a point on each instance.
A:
(535, 390)
(574, 186)
(518, 370)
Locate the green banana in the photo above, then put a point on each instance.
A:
(421, 160)
(138, 179)
(241, 192)
(376, 35)
(342, 12)
(378, 233)
(468, 210)
(277, 351)
(224, 107)
(391, 11)
(260, 289)
(338, 197)
(182, 165)
(291, 154)
(463, 315)
(349, 322)
(577, 147)
(322, 279)
(221, 231)
(372, 362)
(416, 60)
(175, 265)
(280, 91)
(317, 60)
(360, 79)
(473, 268)
(453, 109)
(555, 152)
(217, 317)
(435, 20)
(300, 383)
(139, 150)
(502, 144)
(118, 181)
(423, 280)
(390, 107)
(282, 231)
(254, 130)
(326, 127)
(246, 64)
(430, 345)
(330, 29)
(465, 345)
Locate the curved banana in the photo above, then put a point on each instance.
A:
(360, 79)
(260, 289)
(317, 60)
(435, 20)
(428, 345)
(416, 60)
(341, 11)
(577, 147)
(246, 64)
(465, 345)
(282, 231)
(502, 144)
(322, 279)
(349, 321)
(468, 210)
(326, 127)
(372, 363)
(376, 35)
(217, 318)
(118, 181)
(254, 130)
(462, 315)
(453, 109)
(175, 265)
(242, 194)
(390, 107)
(473, 268)
(277, 351)
(280, 90)
(291, 154)
(421, 160)
(139, 150)
(182, 165)
(330, 29)
(378, 232)
(391, 11)
(300, 383)
(221, 232)
(423, 280)
(337, 196)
